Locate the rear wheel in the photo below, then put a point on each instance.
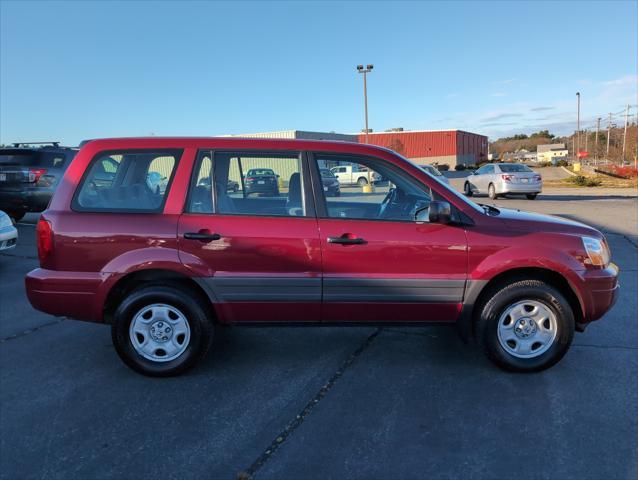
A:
(362, 181)
(526, 326)
(467, 189)
(161, 330)
(491, 191)
(531, 196)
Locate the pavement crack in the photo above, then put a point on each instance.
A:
(605, 347)
(293, 424)
(32, 330)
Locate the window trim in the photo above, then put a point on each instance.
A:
(174, 152)
(321, 201)
(306, 190)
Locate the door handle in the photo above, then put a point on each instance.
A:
(347, 239)
(204, 236)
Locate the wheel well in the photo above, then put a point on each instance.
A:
(134, 280)
(550, 277)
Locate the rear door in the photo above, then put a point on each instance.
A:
(258, 255)
(378, 263)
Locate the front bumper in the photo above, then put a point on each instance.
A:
(8, 237)
(601, 290)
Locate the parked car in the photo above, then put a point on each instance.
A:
(263, 181)
(500, 179)
(351, 175)
(164, 270)
(232, 186)
(29, 176)
(330, 183)
(8, 233)
(435, 173)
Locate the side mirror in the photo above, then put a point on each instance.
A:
(437, 212)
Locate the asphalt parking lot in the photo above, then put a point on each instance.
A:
(340, 402)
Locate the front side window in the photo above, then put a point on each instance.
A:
(373, 190)
(126, 181)
(250, 183)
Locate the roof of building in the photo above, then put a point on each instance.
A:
(550, 147)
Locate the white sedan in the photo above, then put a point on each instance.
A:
(498, 179)
(8, 233)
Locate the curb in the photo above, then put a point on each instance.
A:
(571, 173)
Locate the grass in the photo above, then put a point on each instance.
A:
(593, 181)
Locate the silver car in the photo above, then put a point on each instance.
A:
(8, 233)
(435, 173)
(498, 179)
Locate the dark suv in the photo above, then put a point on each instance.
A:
(29, 176)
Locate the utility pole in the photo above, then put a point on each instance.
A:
(608, 137)
(586, 140)
(624, 138)
(596, 148)
(365, 71)
(578, 126)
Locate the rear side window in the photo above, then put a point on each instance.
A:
(126, 181)
(36, 159)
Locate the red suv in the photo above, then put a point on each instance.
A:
(145, 235)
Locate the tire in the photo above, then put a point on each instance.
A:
(362, 181)
(193, 311)
(491, 192)
(494, 318)
(16, 216)
(467, 189)
(531, 196)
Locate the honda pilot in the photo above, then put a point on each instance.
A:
(165, 267)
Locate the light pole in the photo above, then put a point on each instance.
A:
(365, 71)
(578, 128)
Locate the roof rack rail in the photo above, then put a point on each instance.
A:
(19, 144)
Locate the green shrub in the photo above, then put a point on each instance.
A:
(583, 181)
(444, 167)
(562, 163)
(459, 167)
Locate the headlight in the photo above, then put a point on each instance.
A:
(597, 251)
(5, 221)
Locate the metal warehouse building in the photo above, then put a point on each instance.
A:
(452, 147)
(426, 147)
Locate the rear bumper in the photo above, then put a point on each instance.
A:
(505, 187)
(25, 200)
(70, 294)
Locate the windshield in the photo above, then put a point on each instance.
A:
(432, 170)
(261, 172)
(451, 190)
(514, 167)
(327, 173)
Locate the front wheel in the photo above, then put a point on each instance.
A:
(467, 189)
(161, 331)
(531, 196)
(525, 326)
(16, 216)
(491, 191)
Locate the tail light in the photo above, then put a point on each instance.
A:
(508, 178)
(44, 235)
(537, 178)
(35, 174)
(250, 179)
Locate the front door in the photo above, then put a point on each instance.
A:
(256, 250)
(379, 264)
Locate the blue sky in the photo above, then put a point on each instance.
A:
(76, 70)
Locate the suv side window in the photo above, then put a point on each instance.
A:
(251, 183)
(126, 181)
(386, 193)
